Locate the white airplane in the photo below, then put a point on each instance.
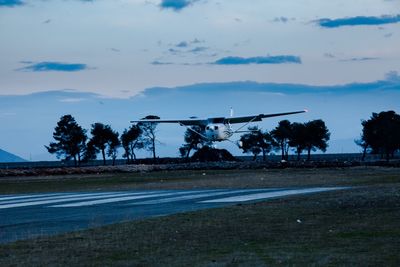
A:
(218, 128)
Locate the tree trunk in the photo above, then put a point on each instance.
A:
(287, 153)
(298, 154)
(154, 148)
(103, 153)
(188, 152)
(254, 157)
(283, 151)
(308, 153)
(133, 155)
(264, 154)
(75, 160)
(364, 153)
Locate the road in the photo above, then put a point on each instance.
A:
(26, 216)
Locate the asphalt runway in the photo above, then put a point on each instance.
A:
(26, 216)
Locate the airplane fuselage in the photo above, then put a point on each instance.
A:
(218, 131)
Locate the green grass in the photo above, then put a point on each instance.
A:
(354, 227)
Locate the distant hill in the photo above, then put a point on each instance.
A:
(8, 157)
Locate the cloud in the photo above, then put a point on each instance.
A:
(156, 62)
(281, 19)
(357, 21)
(72, 100)
(54, 66)
(11, 3)
(329, 55)
(392, 76)
(176, 4)
(198, 49)
(258, 60)
(359, 59)
(197, 41)
(182, 44)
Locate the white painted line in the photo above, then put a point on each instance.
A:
(27, 196)
(250, 197)
(64, 199)
(117, 199)
(194, 196)
(66, 195)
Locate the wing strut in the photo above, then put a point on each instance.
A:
(247, 123)
(190, 129)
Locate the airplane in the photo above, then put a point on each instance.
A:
(217, 129)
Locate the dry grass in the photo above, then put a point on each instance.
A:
(202, 179)
(346, 228)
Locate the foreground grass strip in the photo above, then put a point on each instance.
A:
(352, 227)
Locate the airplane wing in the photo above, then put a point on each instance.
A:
(186, 122)
(204, 122)
(259, 117)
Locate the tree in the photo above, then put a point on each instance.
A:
(113, 144)
(316, 137)
(193, 141)
(70, 139)
(363, 144)
(131, 140)
(90, 152)
(103, 137)
(281, 135)
(149, 133)
(381, 133)
(298, 137)
(256, 142)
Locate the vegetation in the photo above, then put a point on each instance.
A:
(381, 134)
(316, 136)
(70, 140)
(103, 137)
(194, 140)
(308, 136)
(207, 153)
(149, 133)
(281, 135)
(256, 142)
(355, 227)
(131, 141)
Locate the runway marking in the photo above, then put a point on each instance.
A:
(58, 196)
(194, 196)
(249, 197)
(69, 198)
(119, 199)
(27, 196)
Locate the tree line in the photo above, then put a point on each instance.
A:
(380, 135)
(73, 143)
(308, 136)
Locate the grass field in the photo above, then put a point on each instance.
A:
(358, 226)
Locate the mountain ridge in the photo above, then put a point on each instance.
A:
(9, 157)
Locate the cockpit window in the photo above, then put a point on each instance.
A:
(216, 127)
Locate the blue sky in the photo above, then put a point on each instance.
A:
(116, 49)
